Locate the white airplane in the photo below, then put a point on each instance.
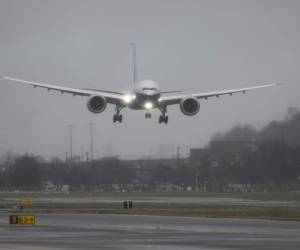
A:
(145, 96)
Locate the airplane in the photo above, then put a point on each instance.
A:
(146, 96)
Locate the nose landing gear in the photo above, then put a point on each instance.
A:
(147, 115)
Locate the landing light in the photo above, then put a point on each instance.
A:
(128, 99)
(148, 105)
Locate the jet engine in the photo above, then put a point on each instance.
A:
(189, 106)
(96, 103)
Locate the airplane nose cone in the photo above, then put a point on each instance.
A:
(148, 85)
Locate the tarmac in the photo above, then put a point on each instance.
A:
(102, 231)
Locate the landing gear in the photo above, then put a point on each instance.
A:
(118, 117)
(164, 117)
(147, 115)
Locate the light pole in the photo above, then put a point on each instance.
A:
(71, 140)
(178, 157)
(92, 140)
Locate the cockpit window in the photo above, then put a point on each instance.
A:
(150, 89)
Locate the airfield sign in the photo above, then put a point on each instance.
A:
(25, 219)
(26, 201)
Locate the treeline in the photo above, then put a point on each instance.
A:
(243, 158)
(20, 172)
(269, 157)
(269, 165)
(287, 131)
(30, 172)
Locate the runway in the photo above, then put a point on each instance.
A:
(96, 231)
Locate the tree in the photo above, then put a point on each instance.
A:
(274, 159)
(25, 173)
(237, 133)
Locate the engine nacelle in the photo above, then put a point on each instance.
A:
(96, 103)
(189, 106)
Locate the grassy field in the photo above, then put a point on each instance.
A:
(282, 196)
(152, 208)
(191, 210)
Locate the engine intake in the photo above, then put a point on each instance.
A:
(189, 106)
(96, 104)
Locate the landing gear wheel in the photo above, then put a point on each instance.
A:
(147, 115)
(160, 119)
(163, 119)
(117, 118)
(166, 119)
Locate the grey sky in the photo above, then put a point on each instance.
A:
(188, 45)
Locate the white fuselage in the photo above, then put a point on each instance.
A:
(145, 96)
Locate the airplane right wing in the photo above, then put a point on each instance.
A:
(171, 100)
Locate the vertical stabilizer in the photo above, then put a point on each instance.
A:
(134, 62)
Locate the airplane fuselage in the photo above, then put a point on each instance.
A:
(145, 96)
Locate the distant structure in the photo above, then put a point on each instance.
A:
(70, 126)
(92, 140)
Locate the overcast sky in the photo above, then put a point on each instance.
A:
(183, 45)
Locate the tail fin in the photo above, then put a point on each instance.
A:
(134, 62)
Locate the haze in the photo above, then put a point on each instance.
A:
(183, 45)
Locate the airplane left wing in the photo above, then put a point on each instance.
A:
(111, 97)
(171, 100)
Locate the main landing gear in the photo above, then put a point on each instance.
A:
(163, 118)
(118, 117)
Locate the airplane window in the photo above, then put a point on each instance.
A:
(149, 88)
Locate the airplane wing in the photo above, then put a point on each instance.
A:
(111, 97)
(170, 100)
